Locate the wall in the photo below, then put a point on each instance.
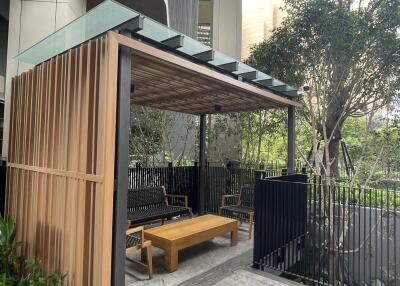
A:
(259, 19)
(227, 23)
(31, 21)
(155, 9)
(60, 169)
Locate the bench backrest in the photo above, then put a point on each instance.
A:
(146, 197)
(247, 196)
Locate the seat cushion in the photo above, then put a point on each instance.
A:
(148, 214)
(237, 209)
(132, 240)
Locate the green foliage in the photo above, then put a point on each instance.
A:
(347, 54)
(381, 157)
(147, 128)
(15, 270)
(263, 137)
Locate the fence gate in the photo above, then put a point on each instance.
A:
(280, 221)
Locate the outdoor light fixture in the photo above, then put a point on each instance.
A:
(218, 108)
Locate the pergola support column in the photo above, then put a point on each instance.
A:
(202, 165)
(121, 165)
(291, 134)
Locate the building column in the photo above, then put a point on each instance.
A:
(121, 166)
(291, 139)
(202, 165)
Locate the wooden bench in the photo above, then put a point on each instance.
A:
(151, 204)
(179, 235)
(240, 207)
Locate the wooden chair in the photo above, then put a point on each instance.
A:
(135, 241)
(240, 207)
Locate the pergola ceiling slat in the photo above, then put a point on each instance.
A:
(166, 81)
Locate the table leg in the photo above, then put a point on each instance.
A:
(171, 259)
(234, 236)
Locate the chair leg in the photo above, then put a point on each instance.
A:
(149, 258)
(190, 213)
(162, 221)
(251, 219)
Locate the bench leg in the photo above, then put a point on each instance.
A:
(234, 236)
(149, 258)
(171, 259)
(251, 219)
(143, 255)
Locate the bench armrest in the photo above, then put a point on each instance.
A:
(137, 229)
(224, 197)
(184, 197)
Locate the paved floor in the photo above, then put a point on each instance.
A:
(211, 263)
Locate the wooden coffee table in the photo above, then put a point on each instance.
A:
(176, 236)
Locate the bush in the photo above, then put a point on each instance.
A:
(15, 269)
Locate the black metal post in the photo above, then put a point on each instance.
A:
(291, 147)
(121, 165)
(3, 175)
(202, 165)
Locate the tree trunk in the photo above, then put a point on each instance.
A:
(334, 155)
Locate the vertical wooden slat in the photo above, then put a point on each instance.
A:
(60, 164)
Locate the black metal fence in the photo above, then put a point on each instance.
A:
(341, 235)
(220, 180)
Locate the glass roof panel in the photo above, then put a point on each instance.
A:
(192, 47)
(110, 15)
(243, 68)
(104, 17)
(156, 31)
(262, 76)
(220, 59)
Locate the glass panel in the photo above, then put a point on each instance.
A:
(262, 76)
(220, 59)
(242, 68)
(192, 47)
(109, 15)
(156, 31)
(104, 17)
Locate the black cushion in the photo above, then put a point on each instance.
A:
(153, 213)
(132, 240)
(237, 209)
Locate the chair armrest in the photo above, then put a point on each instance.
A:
(179, 197)
(137, 229)
(224, 197)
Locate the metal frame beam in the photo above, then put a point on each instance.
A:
(132, 26)
(121, 165)
(206, 56)
(174, 42)
(230, 67)
(251, 75)
(202, 165)
(291, 134)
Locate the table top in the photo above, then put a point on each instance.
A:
(189, 227)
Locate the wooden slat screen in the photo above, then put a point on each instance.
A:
(61, 162)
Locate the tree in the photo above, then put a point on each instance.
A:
(348, 53)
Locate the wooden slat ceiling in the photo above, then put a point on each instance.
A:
(165, 81)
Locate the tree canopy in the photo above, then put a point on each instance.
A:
(347, 53)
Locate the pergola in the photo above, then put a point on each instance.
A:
(67, 176)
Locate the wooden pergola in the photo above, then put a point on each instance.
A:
(67, 175)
